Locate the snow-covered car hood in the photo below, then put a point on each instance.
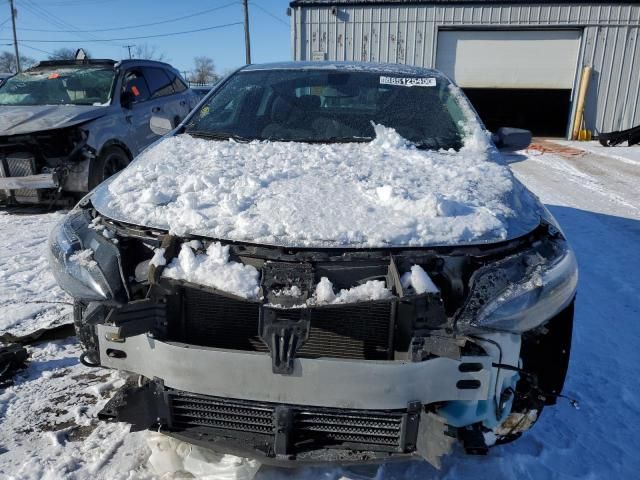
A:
(385, 193)
(28, 119)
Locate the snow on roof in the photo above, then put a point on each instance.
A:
(378, 194)
(390, 68)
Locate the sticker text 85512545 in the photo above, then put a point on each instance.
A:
(409, 81)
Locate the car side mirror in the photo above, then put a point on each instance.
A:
(161, 125)
(510, 139)
(126, 99)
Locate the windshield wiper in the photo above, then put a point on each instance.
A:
(348, 139)
(320, 140)
(219, 136)
(435, 144)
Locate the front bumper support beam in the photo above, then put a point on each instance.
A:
(30, 182)
(362, 384)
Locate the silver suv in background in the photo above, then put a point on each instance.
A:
(65, 126)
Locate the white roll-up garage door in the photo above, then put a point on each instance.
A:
(544, 59)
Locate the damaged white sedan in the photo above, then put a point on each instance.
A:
(324, 263)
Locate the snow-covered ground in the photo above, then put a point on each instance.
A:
(48, 429)
(626, 154)
(25, 275)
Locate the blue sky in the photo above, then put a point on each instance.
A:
(269, 26)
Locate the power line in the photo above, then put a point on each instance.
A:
(55, 20)
(51, 19)
(275, 17)
(78, 2)
(170, 34)
(38, 50)
(134, 26)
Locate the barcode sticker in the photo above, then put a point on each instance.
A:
(409, 81)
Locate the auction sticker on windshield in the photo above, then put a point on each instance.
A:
(409, 81)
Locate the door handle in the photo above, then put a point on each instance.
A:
(156, 109)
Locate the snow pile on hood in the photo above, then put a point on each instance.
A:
(214, 269)
(382, 193)
(371, 290)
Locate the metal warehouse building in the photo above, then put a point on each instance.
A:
(520, 63)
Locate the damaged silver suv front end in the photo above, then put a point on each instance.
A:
(283, 378)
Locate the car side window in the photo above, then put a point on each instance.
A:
(176, 82)
(159, 82)
(135, 86)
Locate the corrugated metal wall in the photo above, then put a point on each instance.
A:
(408, 34)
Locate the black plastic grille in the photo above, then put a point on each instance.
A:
(20, 167)
(358, 331)
(355, 331)
(212, 320)
(312, 427)
(192, 411)
(328, 427)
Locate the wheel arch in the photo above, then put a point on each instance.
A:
(114, 142)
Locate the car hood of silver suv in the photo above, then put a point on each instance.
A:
(21, 120)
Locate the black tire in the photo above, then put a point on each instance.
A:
(111, 160)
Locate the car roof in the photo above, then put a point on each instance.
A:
(67, 63)
(136, 62)
(389, 68)
(102, 61)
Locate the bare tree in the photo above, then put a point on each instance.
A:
(204, 70)
(8, 62)
(148, 52)
(66, 53)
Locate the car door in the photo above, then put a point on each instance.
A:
(166, 100)
(136, 100)
(188, 99)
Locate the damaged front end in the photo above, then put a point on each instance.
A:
(36, 167)
(346, 356)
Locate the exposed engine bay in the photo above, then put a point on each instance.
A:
(437, 354)
(52, 161)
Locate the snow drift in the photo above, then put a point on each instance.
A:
(377, 194)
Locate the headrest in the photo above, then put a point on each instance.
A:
(280, 109)
(308, 102)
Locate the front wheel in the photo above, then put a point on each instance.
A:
(110, 161)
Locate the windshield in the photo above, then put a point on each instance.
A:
(331, 106)
(59, 86)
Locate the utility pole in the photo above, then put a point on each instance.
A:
(15, 38)
(128, 47)
(247, 40)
